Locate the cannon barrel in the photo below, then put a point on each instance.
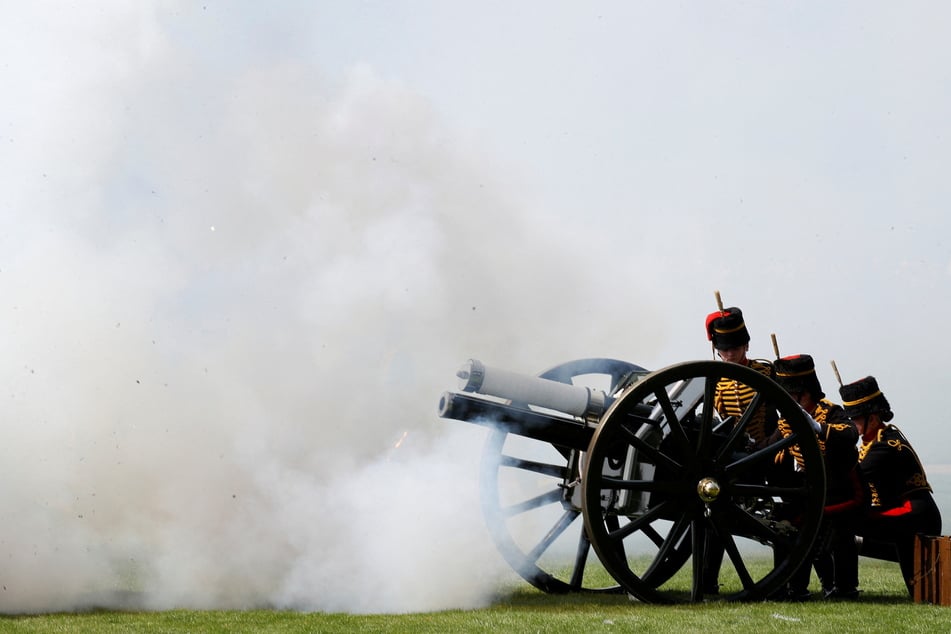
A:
(550, 411)
(575, 400)
(557, 430)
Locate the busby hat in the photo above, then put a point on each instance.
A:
(863, 397)
(726, 329)
(797, 373)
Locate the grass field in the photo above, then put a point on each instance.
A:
(883, 607)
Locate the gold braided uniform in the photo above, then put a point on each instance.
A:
(835, 558)
(892, 467)
(837, 437)
(731, 398)
(902, 503)
(832, 429)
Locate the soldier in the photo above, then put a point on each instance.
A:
(837, 559)
(730, 339)
(901, 500)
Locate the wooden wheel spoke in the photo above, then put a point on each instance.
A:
(733, 440)
(652, 514)
(559, 527)
(765, 455)
(763, 491)
(651, 533)
(729, 544)
(668, 545)
(551, 497)
(709, 390)
(652, 486)
(657, 456)
(613, 525)
(543, 468)
(673, 422)
(704, 444)
(581, 560)
(750, 411)
(758, 528)
(698, 538)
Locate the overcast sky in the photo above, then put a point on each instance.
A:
(246, 245)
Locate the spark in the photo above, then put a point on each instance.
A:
(400, 441)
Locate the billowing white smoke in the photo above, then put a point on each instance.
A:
(227, 294)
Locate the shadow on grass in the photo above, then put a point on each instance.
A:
(531, 598)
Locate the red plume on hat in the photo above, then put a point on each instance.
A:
(726, 328)
(710, 319)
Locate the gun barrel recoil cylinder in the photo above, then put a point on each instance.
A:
(474, 376)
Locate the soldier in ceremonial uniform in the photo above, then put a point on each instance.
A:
(901, 500)
(730, 339)
(836, 560)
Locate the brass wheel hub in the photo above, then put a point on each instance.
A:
(708, 489)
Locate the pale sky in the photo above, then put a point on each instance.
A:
(246, 245)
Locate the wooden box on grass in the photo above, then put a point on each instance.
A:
(932, 582)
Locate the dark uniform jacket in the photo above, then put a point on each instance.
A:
(837, 436)
(892, 470)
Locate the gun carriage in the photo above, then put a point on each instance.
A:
(643, 471)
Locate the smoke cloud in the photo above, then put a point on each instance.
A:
(229, 291)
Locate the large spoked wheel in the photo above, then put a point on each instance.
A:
(531, 496)
(706, 489)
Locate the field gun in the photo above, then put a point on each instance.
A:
(604, 455)
(564, 414)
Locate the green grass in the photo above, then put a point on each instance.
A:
(883, 607)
